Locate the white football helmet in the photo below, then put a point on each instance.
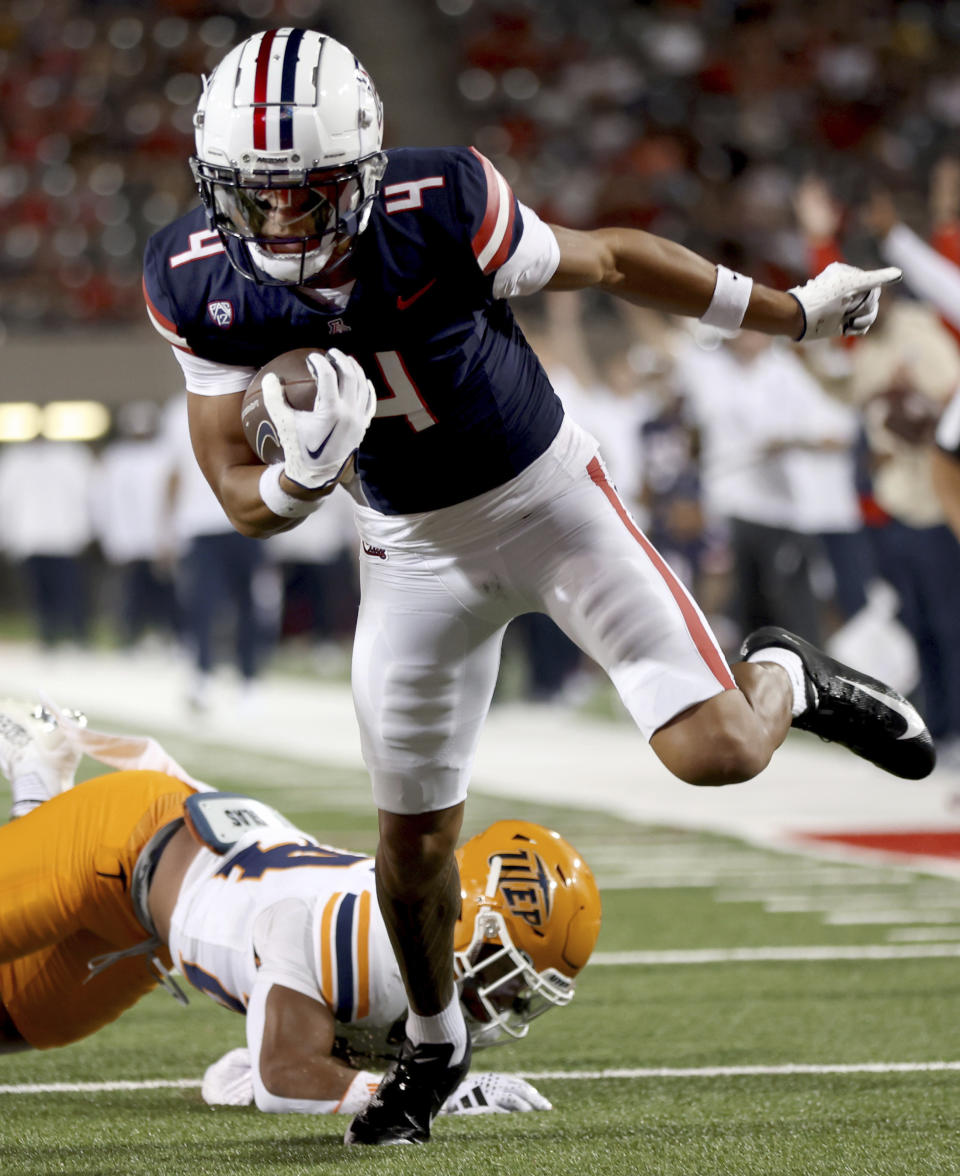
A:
(288, 130)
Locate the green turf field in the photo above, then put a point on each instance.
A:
(633, 1063)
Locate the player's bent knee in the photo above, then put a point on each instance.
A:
(715, 751)
(730, 760)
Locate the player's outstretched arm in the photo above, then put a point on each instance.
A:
(228, 1082)
(295, 1073)
(292, 1067)
(290, 1030)
(652, 271)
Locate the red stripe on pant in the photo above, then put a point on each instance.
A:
(695, 626)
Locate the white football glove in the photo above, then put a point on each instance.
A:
(228, 1082)
(494, 1094)
(841, 300)
(318, 444)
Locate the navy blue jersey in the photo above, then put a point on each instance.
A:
(463, 403)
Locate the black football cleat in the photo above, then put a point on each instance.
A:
(855, 710)
(408, 1098)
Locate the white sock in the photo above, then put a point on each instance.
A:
(444, 1028)
(787, 660)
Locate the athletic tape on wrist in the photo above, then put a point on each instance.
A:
(731, 296)
(279, 501)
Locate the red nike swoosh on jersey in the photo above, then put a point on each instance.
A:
(404, 303)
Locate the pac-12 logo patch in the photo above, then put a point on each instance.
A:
(221, 311)
(526, 887)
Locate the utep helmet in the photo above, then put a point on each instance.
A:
(288, 117)
(529, 918)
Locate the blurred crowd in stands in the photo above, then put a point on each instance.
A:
(96, 108)
(694, 118)
(784, 484)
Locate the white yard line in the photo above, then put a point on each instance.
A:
(540, 1075)
(98, 1087)
(750, 955)
(922, 934)
(741, 1071)
(854, 918)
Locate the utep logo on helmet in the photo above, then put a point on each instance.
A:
(221, 311)
(525, 886)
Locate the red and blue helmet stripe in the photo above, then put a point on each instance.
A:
(275, 85)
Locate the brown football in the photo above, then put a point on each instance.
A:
(299, 389)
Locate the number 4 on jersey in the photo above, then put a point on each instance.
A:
(404, 397)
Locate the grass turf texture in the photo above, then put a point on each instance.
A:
(623, 1017)
(871, 1125)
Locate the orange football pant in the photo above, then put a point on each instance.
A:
(65, 872)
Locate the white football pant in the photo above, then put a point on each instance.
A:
(439, 588)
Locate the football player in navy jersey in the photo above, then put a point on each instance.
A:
(476, 498)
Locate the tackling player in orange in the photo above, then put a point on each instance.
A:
(106, 885)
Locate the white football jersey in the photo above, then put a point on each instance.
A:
(349, 953)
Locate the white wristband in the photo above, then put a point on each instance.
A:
(279, 501)
(731, 296)
(948, 427)
(358, 1093)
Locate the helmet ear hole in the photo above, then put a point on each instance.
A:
(581, 938)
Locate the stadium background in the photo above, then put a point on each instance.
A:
(695, 120)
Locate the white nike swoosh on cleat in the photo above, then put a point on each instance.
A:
(900, 706)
